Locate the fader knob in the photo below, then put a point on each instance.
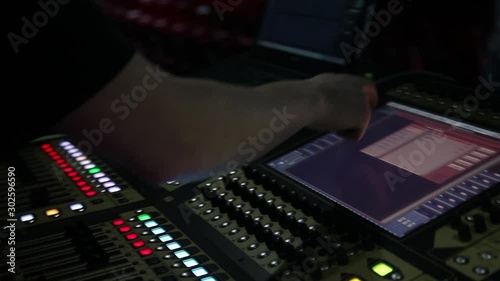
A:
(277, 190)
(240, 217)
(479, 223)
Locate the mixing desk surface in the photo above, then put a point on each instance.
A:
(418, 199)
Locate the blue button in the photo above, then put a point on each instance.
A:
(165, 238)
(182, 254)
(150, 224)
(199, 271)
(158, 230)
(209, 278)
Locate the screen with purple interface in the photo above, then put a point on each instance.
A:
(409, 168)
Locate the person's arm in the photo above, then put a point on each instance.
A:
(166, 127)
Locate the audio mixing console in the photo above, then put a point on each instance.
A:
(313, 209)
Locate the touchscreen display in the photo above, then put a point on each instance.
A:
(409, 168)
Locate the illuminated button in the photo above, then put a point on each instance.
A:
(124, 228)
(90, 193)
(182, 254)
(76, 207)
(118, 222)
(27, 218)
(73, 150)
(86, 188)
(94, 170)
(108, 184)
(382, 269)
(114, 189)
(76, 178)
(46, 145)
(83, 160)
(481, 270)
(190, 262)
(103, 179)
(60, 161)
(158, 230)
(72, 174)
(173, 246)
(77, 154)
(355, 279)
(150, 223)
(138, 244)
(65, 143)
(63, 165)
(52, 153)
(52, 212)
(131, 236)
(145, 252)
(199, 271)
(144, 217)
(81, 183)
(209, 278)
(67, 170)
(89, 166)
(98, 175)
(56, 157)
(165, 238)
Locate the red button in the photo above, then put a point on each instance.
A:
(72, 174)
(81, 183)
(48, 149)
(125, 228)
(90, 193)
(86, 188)
(52, 153)
(118, 222)
(69, 169)
(138, 244)
(146, 252)
(56, 157)
(60, 161)
(64, 165)
(131, 236)
(46, 145)
(76, 178)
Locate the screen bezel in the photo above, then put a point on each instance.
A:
(308, 136)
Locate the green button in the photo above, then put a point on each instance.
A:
(382, 269)
(94, 170)
(144, 217)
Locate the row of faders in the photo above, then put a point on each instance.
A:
(57, 180)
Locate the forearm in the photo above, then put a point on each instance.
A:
(199, 126)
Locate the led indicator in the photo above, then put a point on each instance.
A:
(81, 183)
(65, 143)
(108, 184)
(199, 271)
(114, 189)
(209, 278)
(165, 237)
(173, 246)
(89, 166)
(131, 236)
(90, 193)
(73, 150)
(27, 218)
(124, 228)
(190, 262)
(355, 279)
(382, 269)
(182, 254)
(138, 244)
(144, 217)
(145, 252)
(76, 178)
(82, 160)
(72, 174)
(56, 157)
(51, 153)
(63, 165)
(76, 207)
(67, 170)
(46, 145)
(99, 175)
(77, 154)
(158, 230)
(118, 222)
(151, 224)
(60, 161)
(94, 170)
(86, 188)
(52, 212)
(103, 179)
